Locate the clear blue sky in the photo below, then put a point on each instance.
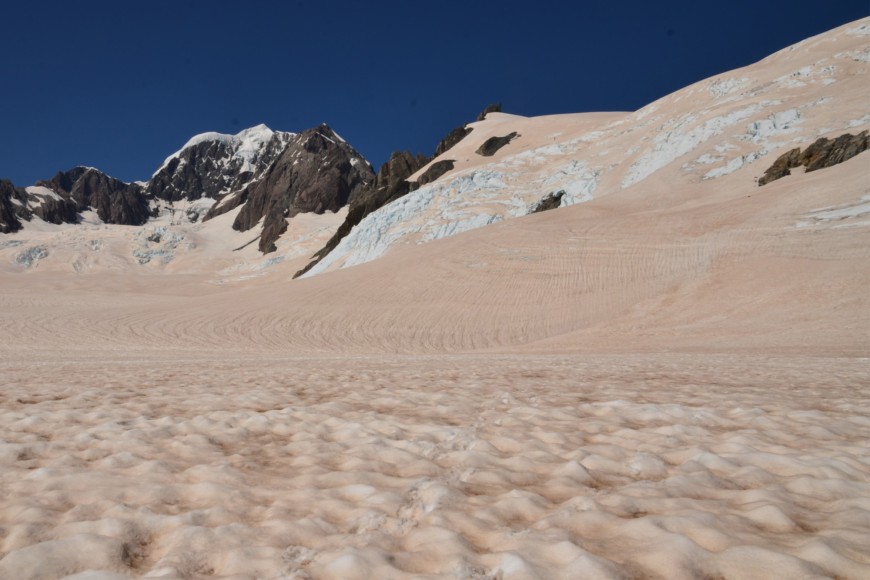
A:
(121, 85)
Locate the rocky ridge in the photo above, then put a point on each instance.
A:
(316, 172)
(13, 207)
(821, 153)
(391, 183)
(273, 175)
(84, 188)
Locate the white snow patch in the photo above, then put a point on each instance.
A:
(451, 228)
(862, 55)
(679, 137)
(858, 209)
(30, 257)
(795, 79)
(721, 87)
(780, 123)
(734, 165)
(858, 122)
(576, 180)
(90, 217)
(42, 191)
(707, 159)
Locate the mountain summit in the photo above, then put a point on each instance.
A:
(213, 164)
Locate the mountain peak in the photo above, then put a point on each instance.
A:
(245, 143)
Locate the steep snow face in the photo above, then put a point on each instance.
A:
(719, 128)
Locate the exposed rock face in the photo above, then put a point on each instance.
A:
(550, 201)
(435, 171)
(493, 144)
(212, 164)
(460, 133)
(390, 184)
(13, 207)
(822, 153)
(493, 108)
(452, 138)
(316, 172)
(114, 201)
(51, 207)
(782, 166)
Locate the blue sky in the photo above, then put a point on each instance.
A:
(121, 85)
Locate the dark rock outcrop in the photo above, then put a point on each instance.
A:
(782, 166)
(435, 171)
(18, 204)
(55, 210)
(212, 165)
(390, 184)
(13, 207)
(452, 138)
(493, 144)
(115, 201)
(820, 154)
(493, 108)
(316, 172)
(548, 202)
(460, 133)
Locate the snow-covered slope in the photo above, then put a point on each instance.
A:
(729, 127)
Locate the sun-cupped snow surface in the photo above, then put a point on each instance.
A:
(246, 144)
(668, 381)
(477, 467)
